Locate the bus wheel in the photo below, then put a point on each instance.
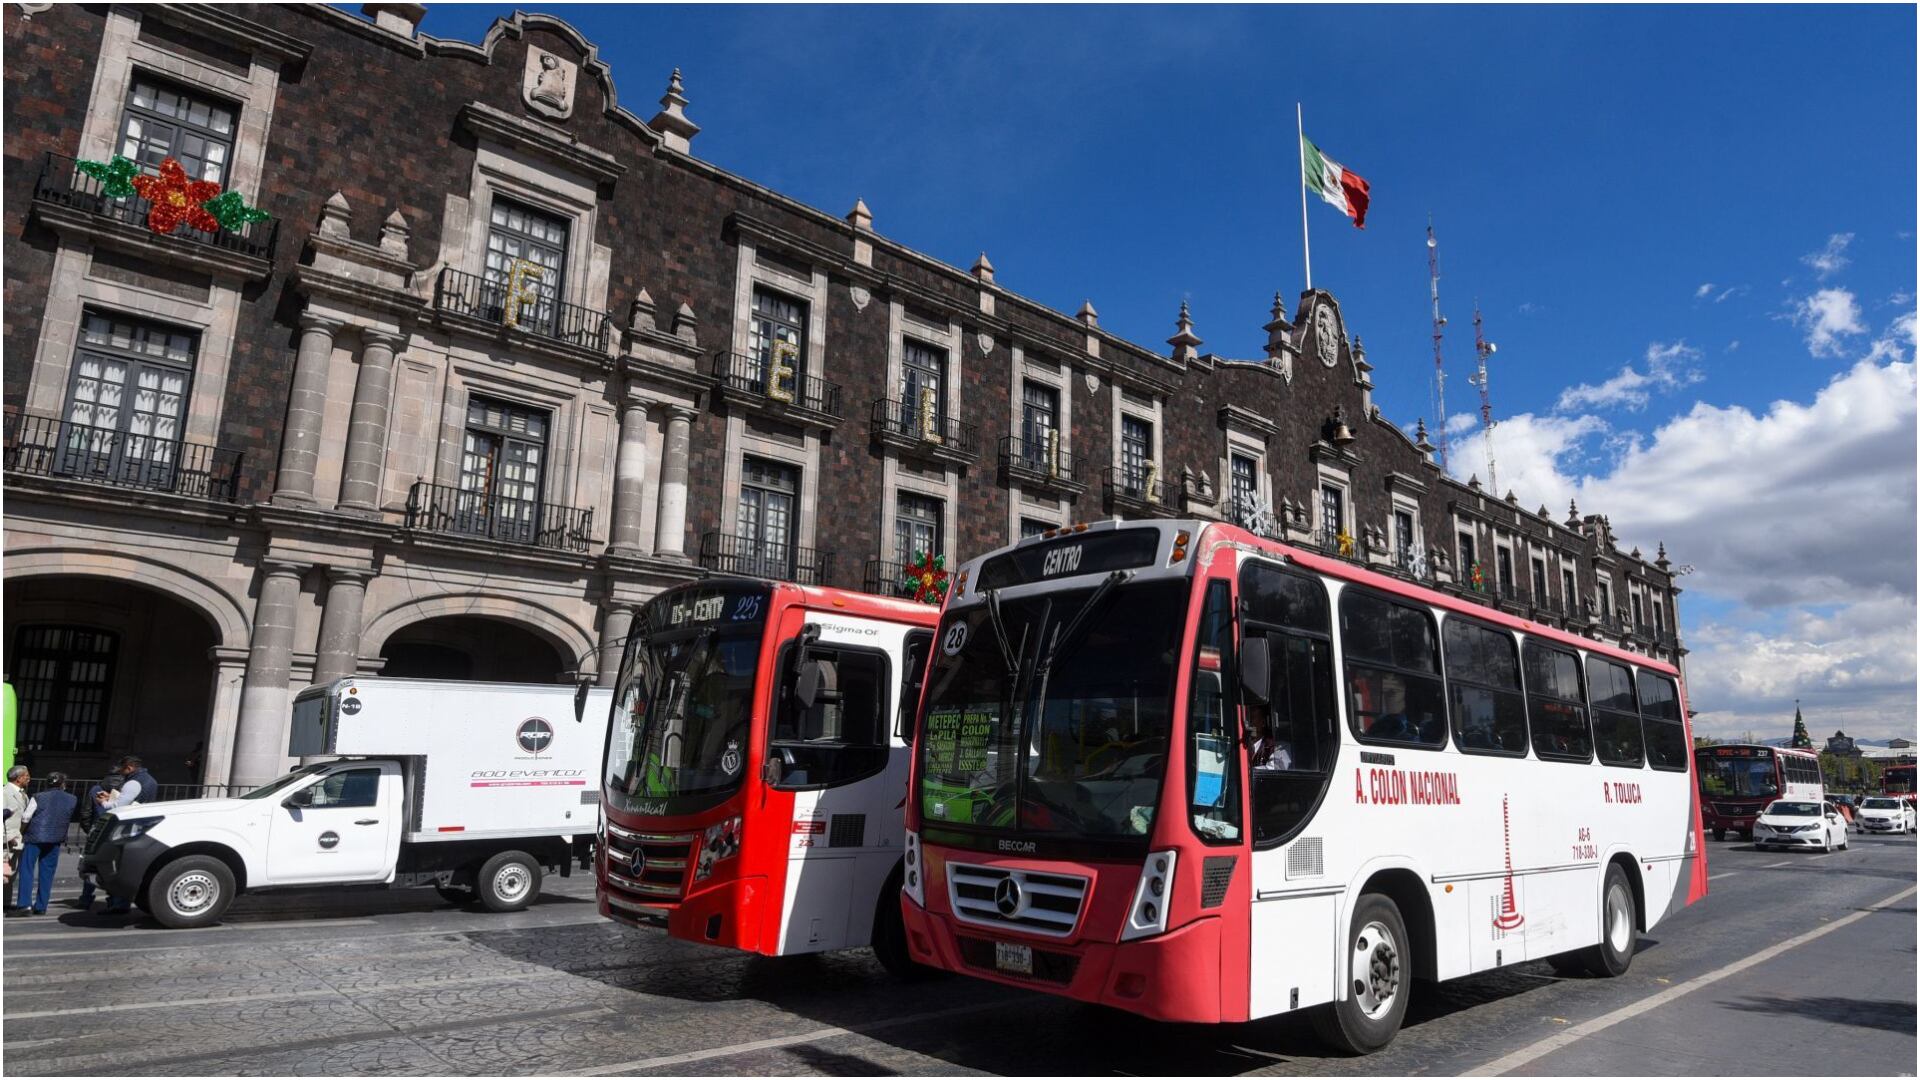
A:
(509, 881)
(1379, 976)
(1614, 954)
(1719, 834)
(890, 935)
(1568, 964)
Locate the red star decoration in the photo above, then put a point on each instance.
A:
(177, 199)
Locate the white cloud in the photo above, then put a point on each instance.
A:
(1799, 519)
(1826, 317)
(1730, 292)
(1734, 345)
(1704, 291)
(1667, 368)
(1831, 259)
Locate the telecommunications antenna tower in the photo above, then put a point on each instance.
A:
(1439, 401)
(1482, 348)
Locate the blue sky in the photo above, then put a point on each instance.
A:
(1660, 210)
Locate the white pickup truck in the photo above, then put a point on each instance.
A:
(474, 788)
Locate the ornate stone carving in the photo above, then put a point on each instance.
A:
(985, 341)
(1093, 382)
(862, 296)
(1326, 336)
(547, 86)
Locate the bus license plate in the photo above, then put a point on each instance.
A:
(1013, 959)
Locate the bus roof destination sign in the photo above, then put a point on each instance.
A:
(708, 605)
(1069, 556)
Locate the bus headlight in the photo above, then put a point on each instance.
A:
(913, 882)
(721, 841)
(1148, 915)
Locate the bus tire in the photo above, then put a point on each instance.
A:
(1568, 964)
(1619, 924)
(191, 892)
(1379, 978)
(509, 881)
(890, 934)
(1719, 834)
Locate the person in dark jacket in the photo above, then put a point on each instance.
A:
(45, 830)
(93, 812)
(137, 785)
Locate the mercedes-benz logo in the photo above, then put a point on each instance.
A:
(1006, 897)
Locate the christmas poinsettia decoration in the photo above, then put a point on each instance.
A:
(116, 176)
(927, 577)
(1479, 582)
(232, 212)
(177, 200)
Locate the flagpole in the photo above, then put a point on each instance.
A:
(1300, 147)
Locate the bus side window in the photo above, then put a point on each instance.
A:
(1292, 736)
(918, 645)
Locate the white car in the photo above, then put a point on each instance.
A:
(1799, 824)
(1883, 813)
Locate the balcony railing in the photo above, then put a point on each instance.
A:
(1040, 464)
(943, 436)
(61, 184)
(480, 298)
(748, 374)
(750, 556)
(442, 508)
(49, 446)
(1138, 488)
(887, 579)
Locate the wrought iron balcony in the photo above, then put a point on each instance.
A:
(1046, 467)
(748, 379)
(750, 556)
(939, 437)
(49, 446)
(1140, 491)
(442, 508)
(474, 297)
(887, 579)
(62, 184)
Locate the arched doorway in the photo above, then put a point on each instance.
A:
(104, 668)
(475, 648)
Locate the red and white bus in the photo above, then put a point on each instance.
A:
(1199, 775)
(755, 767)
(1897, 780)
(1738, 780)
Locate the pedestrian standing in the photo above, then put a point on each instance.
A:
(16, 815)
(91, 812)
(137, 785)
(47, 819)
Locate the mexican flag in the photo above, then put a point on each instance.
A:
(1334, 182)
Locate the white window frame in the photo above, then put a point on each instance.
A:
(1058, 375)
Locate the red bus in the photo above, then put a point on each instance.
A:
(755, 767)
(1897, 780)
(1185, 771)
(1738, 780)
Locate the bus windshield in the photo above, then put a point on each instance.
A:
(1742, 777)
(678, 738)
(1061, 727)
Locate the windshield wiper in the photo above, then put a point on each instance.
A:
(1065, 639)
(1007, 655)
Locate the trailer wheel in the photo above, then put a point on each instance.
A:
(1379, 974)
(509, 881)
(191, 892)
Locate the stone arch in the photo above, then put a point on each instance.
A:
(224, 611)
(574, 643)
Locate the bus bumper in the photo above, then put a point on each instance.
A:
(1175, 976)
(725, 914)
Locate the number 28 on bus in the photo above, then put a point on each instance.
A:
(1188, 772)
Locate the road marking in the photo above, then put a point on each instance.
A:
(1503, 1065)
(1777, 865)
(1721, 874)
(286, 995)
(819, 1035)
(97, 935)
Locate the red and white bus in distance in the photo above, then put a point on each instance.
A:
(1202, 776)
(1738, 780)
(755, 767)
(1897, 780)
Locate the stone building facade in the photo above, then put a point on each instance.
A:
(508, 359)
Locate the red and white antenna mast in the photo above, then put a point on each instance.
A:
(1439, 401)
(1482, 348)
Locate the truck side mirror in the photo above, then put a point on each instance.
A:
(1256, 674)
(580, 702)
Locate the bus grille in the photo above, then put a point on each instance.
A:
(1040, 903)
(648, 865)
(1216, 873)
(1050, 967)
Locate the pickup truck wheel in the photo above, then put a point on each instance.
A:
(191, 892)
(509, 881)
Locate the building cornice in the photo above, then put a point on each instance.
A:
(543, 140)
(218, 22)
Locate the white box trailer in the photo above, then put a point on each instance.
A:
(474, 788)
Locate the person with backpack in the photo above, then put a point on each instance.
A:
(44, 832)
